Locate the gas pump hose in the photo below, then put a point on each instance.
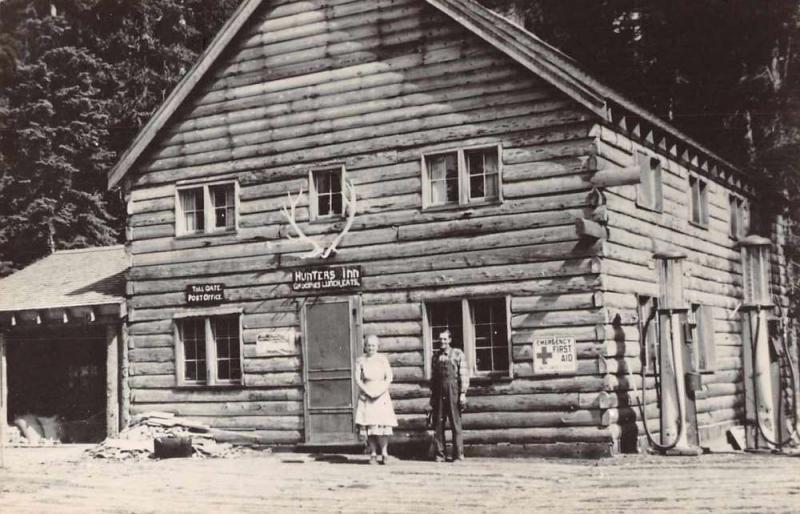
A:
(643, 342)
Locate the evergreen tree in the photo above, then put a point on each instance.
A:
(78, 79)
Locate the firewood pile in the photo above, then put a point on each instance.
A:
(136, 442)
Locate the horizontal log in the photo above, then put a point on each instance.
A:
(214, 395)
(251, 422)
(489, 420)
(392, 312)
(222, 409)
(515, 403)
(547, 303)
(611, 177)
(537, 435)
(272, 364)
(256, 437)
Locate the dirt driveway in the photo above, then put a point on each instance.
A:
(61, 480)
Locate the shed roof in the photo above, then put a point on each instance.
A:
(524, 47)
(68, 278)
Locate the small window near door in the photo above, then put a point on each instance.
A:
(698, 201)
(326, 193)
(649, 194)
(208, 350)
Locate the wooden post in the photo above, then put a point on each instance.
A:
(125, 400)
(3, 400)
(112, 380)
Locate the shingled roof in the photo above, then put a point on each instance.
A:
(68, 278)
(524, 47)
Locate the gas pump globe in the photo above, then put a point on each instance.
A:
(755, 268)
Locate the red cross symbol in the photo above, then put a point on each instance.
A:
(544, 355)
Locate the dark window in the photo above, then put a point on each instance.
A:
(327, 192)
(193, 334)
(483, 334)
(224, 204)
(483, 173)
(446, 316)
(462, 177)
(192, 208)
(226, 336)
(699, 200)
(649, 193)
(491, 334)
(211, 350)
(443, 174)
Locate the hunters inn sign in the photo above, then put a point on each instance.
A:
(326, 278)
(205, 294)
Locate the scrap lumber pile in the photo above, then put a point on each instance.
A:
(136, 441)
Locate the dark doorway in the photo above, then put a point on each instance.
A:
(60, 375)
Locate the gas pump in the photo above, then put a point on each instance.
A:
(766, 353)
(673, 356)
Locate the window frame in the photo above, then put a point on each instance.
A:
(654, 201)
(464, 199)
(702, 195)
(212, 379)
(468, 334)
(737, 223)
(313, 194)
(209, 214)
(702, 325)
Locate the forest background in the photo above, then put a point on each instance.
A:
(79, 78)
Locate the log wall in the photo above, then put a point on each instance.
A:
(375, 85)
(712, 276)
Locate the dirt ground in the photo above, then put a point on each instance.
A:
(63, 480)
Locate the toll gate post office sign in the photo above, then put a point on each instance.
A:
(555, 356)
(205, 294)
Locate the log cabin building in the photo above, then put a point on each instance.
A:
(331, 169)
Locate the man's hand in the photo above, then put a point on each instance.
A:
(462, 401)
(428, 409)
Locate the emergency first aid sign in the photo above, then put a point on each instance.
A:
(555, 356)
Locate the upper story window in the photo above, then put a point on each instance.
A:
(206, 208)
(461, 177)
(738, 223)
(326, 193)
(480, 327)
(208, 350)
(699, 200)
(649, 193)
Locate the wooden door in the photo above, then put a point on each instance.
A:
(331, 328)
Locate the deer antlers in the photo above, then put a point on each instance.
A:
(317, 249)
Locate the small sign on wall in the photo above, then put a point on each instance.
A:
(276, 341)
(205, 294)
(554, 356)
(326, 278)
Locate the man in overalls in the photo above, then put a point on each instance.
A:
(449, 383)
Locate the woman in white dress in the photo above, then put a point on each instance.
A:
(374, 413)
